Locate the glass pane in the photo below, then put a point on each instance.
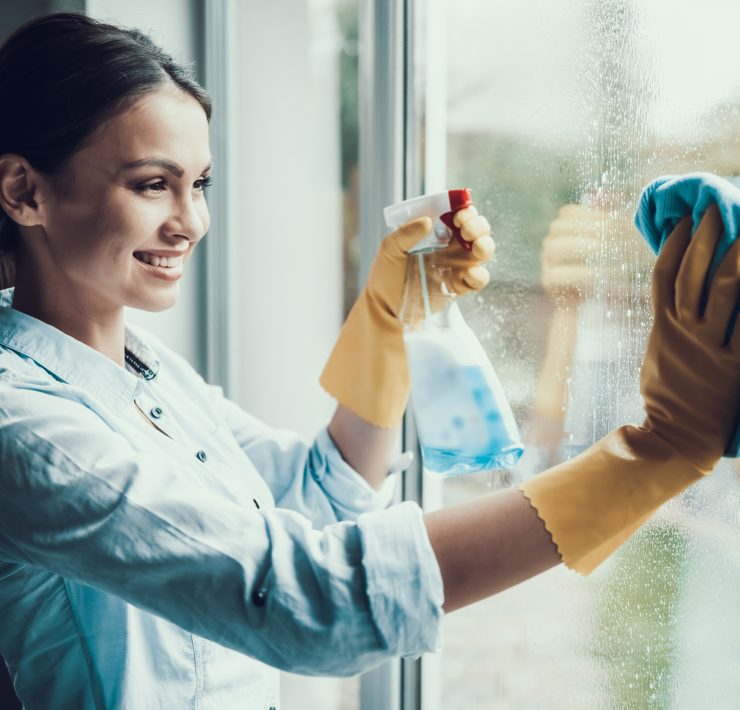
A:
(296, 107)
(581, 104)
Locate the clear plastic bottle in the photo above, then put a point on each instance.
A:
(463, 419)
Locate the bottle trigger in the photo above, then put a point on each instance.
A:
(459, 200)
(448, 218)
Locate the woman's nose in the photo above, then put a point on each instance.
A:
(189, 219)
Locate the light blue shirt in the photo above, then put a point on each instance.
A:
(179, 568)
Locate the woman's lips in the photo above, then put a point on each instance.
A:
(160, 271)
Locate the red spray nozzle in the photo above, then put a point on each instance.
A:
(459, 200)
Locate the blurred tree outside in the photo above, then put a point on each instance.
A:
(348, 24)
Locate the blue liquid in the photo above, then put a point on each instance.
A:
(464, 421)
(446, 463)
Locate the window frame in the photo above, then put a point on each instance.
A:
(402, 146)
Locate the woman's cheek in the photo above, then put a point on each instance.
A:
(205, 216)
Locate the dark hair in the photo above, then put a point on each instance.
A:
(61, 77)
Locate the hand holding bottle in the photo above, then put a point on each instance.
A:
(465, 270)
(367, 370)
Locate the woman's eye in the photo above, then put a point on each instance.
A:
(158, 186)
(161, 185)
(203, 183)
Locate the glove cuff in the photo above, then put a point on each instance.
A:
(591, 504)
(367, 370)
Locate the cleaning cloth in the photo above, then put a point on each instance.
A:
(666, 200)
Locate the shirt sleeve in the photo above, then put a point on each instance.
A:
(79, 501)
(311, 478)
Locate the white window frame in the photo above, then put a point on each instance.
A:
(402, 77)
(221, 277)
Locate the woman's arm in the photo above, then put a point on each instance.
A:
(487, 545)
(365, 447)
(592, 503)
(309, 476)
(482, 546)
(150, 528)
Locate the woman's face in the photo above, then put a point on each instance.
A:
(129, 208)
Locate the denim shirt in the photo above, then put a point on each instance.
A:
(180, 568)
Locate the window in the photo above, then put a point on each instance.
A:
(535, 106)
(552, 104)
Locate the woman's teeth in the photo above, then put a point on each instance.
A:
(166, 262)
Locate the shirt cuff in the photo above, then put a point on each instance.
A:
(404, 582)
(349, 492)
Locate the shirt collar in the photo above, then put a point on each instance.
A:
(72, 361)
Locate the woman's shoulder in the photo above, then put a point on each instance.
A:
(19, 370)
(27, 389)
(34, 405)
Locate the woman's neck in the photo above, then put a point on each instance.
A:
(74, 313)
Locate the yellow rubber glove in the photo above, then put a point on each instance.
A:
(367, 371)
(690, 383)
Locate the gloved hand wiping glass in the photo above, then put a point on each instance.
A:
(690, 383)
(666, 200)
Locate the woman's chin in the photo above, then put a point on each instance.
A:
(157, 302)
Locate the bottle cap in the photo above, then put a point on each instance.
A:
(439, 205)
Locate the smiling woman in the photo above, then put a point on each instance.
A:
(117, 230)
(160, 546)
(141, 550)
(102, 211)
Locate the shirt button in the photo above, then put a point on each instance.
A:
(156, 412)
(259, 596)
(202, 456)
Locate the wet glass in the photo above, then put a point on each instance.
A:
(557, 115)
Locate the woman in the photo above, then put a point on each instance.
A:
(161, 548)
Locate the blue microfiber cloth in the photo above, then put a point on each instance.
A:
(665, 201)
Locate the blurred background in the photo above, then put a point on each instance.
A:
(556, 115)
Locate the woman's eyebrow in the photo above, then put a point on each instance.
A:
(168, 165)
(174, 168)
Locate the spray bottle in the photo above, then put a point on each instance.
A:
(463, 419)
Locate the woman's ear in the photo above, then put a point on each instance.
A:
(22, 190)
